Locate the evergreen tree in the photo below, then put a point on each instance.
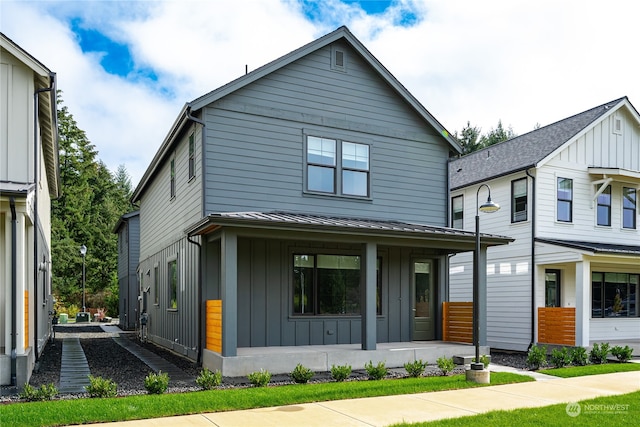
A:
(497, 135)
(469, 139)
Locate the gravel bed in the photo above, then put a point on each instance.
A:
(107, 359)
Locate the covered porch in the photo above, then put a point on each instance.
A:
(320, 358)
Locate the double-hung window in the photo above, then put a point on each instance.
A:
(565, 200)
(604, 207)
(519, 200)
(457, 212)
(629, 208)
(347, 177)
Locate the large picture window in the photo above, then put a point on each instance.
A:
(519, 200)
(604, 207)
(329, 285)
(457, 212)
(629, 208)
(565, 200)
(614, 295)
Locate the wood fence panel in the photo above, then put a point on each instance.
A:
(557, 325)
(457, 321)
(214, 325)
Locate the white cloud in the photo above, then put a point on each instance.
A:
(523, 62)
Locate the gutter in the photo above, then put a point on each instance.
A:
(533, 259)
(14, 290)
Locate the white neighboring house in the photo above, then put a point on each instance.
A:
(29, 179)
(569, 196)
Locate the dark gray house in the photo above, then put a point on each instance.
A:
(128, 231)
(309, 200)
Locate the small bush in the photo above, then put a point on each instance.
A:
(341, 372)
(622, 353)
(416, 368)
(100, 387)
(301, 375)
(446, 364)
(376, 372)
(598, 354)
(579, 356)
(560, 357)
(32, 394)
(208, 380)
(259, 378)
(537, 357)
(156, 383)
(484, 359)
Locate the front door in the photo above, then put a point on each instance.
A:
(424, 325)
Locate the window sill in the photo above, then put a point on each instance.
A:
(172, 310)
(336, 196)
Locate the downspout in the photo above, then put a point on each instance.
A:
(533, 258)
(200, 302)
(36, 221)
(14, 290)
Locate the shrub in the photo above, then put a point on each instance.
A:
(484, 359)
(416, 368)
(340, 373)
(208, 380)
(560, 357)
(376, 372)
(156, 383)
(579, 356)
(622, 353)
(45, 392)
(537, 357)
(301, 375)
(100, 387)
(72, 310)
(446, 364)
(259, 378)
(598, 354)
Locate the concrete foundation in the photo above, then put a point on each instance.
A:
(478, 376)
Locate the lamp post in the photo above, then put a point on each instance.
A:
(83, 252)
(488, 207)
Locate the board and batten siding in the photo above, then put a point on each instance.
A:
(255, 149)
(508, 267)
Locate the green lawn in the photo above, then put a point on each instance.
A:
(80, 411)
(580, 371)
(611, 411)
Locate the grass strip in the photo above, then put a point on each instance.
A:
(611, 411)
(581, 371)
(79, 411)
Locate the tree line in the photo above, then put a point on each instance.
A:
(472, 140)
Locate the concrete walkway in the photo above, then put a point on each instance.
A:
(74, 369)
(383, 411)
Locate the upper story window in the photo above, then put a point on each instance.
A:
(629, 207)
(338, 59)
(172, 184)
(192, 157)
(604, 207)
(457, 212)
(565, 200)
(349, 177)
(519, 200)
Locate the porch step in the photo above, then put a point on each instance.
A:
(466, 360)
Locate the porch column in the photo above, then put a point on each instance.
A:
(583, 293)
(482, 296)
(368, 296)
(229, 292)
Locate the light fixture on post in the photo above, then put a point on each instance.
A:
(83, 252)
(488, 207)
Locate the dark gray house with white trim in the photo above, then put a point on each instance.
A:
(128, 231)
(310, 197)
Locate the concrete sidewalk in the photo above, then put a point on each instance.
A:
(383, 411)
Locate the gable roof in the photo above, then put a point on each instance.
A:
(341, 33)
(528, 150)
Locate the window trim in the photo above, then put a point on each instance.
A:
(514, 204)
(461, 211)
(633, 191)
(170, 292)
(599, 204)
(192, 156)
(172, 178)
(569, 200)
(602, 294)
(558, 294)
(156, 284)
(334, 62)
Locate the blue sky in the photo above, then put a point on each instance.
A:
(126, 68)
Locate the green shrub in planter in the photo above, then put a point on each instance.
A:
(156, 383)
(598, 354)
(579, 356)
(484, 359)
(208, 380)
(376, 372)
(100, 387)
(560, 357)
(259, 378)
(341, 372)
(622, 353)
(415, 368)
(301, 375)
(446, 364)
(537, 357)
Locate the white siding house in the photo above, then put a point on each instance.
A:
(569, 196)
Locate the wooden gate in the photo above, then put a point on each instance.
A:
(457, 321)
(557, 325)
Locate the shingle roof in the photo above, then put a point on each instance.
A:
(605, 248)
(521, 152)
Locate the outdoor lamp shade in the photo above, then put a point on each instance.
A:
(489, 206)
(83, 249)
